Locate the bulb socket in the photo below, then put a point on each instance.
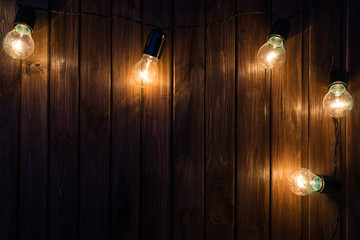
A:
(25, 15)
(331, 185)
(155, 43)
(280, 28)
(338, 76)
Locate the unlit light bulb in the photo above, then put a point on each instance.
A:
(303, 182)
(272, 54)
(18, 43)
(337, 102)
(145, 72)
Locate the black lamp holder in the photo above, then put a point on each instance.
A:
(338, 75)
(331, 185)
(280, 29)
(155, 43)
(25, 15)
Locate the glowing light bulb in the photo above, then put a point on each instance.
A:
(145, 72)
(272, 54)
(303, 182)
(337, 102)
(18, 43)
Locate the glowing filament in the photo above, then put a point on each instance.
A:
(338, 104)
(17, 45)
(301, 181)
(270, 56)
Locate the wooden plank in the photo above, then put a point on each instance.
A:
(253, 124)
(156, 134)
(95, 84)
(63, 145)
(9, 112)
(287, 129)
(34, 133)
(125, 130)
(220, 122)
(323, 210)
(352, 204)
(188, 122)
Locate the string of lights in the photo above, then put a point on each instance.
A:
(169, 27)
(337, 102)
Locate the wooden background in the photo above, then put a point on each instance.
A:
(203, 154)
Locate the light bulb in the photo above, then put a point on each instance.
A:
(18, 43)
(272, 54)
(303, 182)
(145, 72)
(337, 102)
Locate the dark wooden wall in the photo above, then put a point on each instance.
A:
(203, 154)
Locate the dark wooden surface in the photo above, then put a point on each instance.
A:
(9, 119)
(33, 165)
(95, 86)
(351, 203)
(219, 122)
(322, 211)
(252, 121)
(125, 124)
(204, 153)
(63, 131)
(188, 123)
(156, 103)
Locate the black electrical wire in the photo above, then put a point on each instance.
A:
(20, 2)
(337, 134)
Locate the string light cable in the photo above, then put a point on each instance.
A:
(337, 135)
(169, 27)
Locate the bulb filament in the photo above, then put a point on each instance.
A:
(17, 45)
(270, 56)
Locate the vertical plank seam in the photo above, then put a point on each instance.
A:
(236, 125)
(110, 125)
(172, 95)
(141, 126)
(270, 138)
(204, 165)
(343, 63)
(18, 152)
(78, 130)
(309, 112)
(48, 124)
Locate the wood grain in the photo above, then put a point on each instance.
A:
(286, 129)
(156, 134)
(9, 112)
(352, 203)
(95, 84)
(63, 116)
(125, 130)
(188, 122)
(253, 125)
(220, 122)
(322, 212)
(33, 196)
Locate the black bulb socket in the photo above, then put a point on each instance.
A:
(25, 15)
(338, 76)
(155, 43)
(331, 185)
(280, 29)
